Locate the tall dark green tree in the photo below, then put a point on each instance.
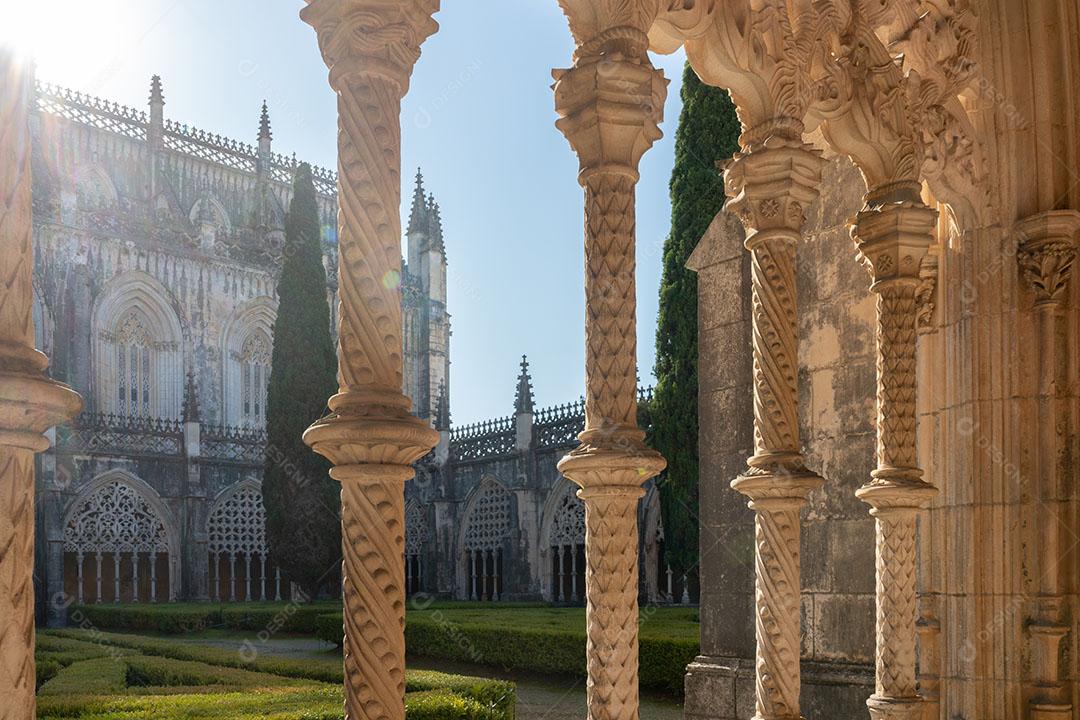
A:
(302, 502)
(708, 132)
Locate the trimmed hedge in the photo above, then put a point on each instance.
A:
(178, 618)
(100, 676)
(662, 661)
(199, 681)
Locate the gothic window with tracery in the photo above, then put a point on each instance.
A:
(416, 534)
(255, 358)
(134, 349)
(116, 523)
(567, 544)
(238, 548)
(487, 528)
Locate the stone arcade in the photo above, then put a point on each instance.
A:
(960, 117)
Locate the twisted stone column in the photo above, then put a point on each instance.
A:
(770, 184)
(30, 403)
(893, 233)
(610, 112)
(1046, 255)
(371, 47)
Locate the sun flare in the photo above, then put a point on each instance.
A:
(58, 33)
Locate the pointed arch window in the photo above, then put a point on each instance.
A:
(568, 548)
(134, 365)
(416, 534)
(487, 529)
(239, 554)
(255, 359)
(117, 548)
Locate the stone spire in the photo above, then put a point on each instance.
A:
(435, 229)
(418, 219)
(157, 97)
(264, 124)
(442, 409)
(523, 401)
(155, 131)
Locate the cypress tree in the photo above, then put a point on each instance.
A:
(708, 131)
(302, 502)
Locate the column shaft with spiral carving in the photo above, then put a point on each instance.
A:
(30, 403)
(1047, 251)
(371, 47)
(610, 112)
(770, 184)
(893, 233)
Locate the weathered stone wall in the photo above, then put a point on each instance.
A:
(836, 377)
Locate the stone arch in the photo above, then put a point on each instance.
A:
(136, 317)
(119, 515)
(562, 544)
(94, 189)
(216, 212)
(483, 540)
(236, 531)
(417, 534)
(246, 349)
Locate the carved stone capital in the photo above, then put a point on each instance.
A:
(1047, 250)
(610, 111)
(31, 403)
(367, 428)
(894, 234)
(626, 465)
(603, 27)
(371, 37)
(770, 185)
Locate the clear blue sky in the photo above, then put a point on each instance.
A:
(479, 119)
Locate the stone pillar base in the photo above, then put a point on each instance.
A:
(718, 688)
(722, 688)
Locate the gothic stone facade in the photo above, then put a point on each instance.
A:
(157, 252)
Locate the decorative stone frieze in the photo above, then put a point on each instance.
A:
(610, 105)
(30, 403)
(371, 47)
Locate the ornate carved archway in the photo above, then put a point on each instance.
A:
(119, 519)
(237, 543)
(485, 530)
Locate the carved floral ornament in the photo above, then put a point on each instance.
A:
(881, 80)
(371, 37)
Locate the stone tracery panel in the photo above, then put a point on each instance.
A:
(567, 546)
(488, 523)
(416, 535)
(237, 544)
(487, 528)
(117, 521)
